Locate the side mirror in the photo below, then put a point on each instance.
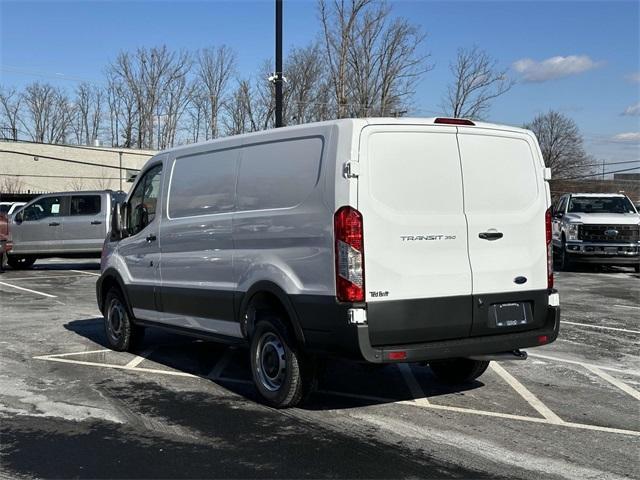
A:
(19, 217)
(118, 216)
(559, 215)
(124, 218)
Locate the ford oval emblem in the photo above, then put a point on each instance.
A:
(612, 232)
(520, 280)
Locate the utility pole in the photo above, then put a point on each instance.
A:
(278, 73)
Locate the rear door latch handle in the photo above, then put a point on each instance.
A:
(490, 235)
(151, 238)
(54, 224)
(96, 222)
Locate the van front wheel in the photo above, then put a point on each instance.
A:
(458, 370)
(122, 335)
(281, 373)
(20, 262)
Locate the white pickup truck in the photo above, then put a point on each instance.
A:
(596, 228)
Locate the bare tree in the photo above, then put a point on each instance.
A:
(240, 117)
(12, 184)
(49, 113)
(561, 144)
(151, 75)
(477, 81)
(305, 98)
(88, 113)
(215, 67)
(104, 182)
(374, 60)
(75, 184)
(10, 103)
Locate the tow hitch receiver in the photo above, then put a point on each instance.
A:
(513, 355)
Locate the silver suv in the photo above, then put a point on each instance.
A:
(67, 224)
(596, 228)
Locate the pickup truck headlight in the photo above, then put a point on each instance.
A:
(572, 231)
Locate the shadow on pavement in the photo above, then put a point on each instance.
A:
(341, 384)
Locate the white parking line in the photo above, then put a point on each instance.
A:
(86, 273)
(138, 359)
(540, 407)
(599, 326)
(56, 358)
(614, 381)
(583, 364)
(58, 355)
(28, 290)
(627, 306)
(221, 364)
(48, 277)
(417, 393)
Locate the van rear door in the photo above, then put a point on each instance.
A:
(417, 273)
(505, 203)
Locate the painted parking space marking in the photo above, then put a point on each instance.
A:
(47, 277)
(614, 381)
(627, 306)
(548, 418)
(138, 359)
(416, 390)
(584, 364)
(48, 295)
(85, 273)
(221, 364)
(534, 401)
(588, 325)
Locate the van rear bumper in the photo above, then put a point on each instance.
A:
(463, 347)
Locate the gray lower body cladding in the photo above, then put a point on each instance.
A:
(424, 328)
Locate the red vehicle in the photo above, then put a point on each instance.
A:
(5, 244)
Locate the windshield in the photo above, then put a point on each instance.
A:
(600, 205)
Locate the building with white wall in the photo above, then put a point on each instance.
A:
(27, 167)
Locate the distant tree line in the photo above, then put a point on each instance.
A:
(364, 62)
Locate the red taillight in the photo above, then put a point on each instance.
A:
(543, 339)
(549, 249)
(401, 355)
(349, 251)
(453, 121)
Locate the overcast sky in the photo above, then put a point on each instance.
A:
(579, 57)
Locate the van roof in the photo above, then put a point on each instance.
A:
(352, 123)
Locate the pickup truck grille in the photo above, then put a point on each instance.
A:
(605, 233)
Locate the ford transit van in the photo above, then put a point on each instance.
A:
(382, 240)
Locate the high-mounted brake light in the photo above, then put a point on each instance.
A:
(549, 249)
(453, 121)
(349, 251)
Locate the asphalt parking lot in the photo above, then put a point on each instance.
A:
(180, 408)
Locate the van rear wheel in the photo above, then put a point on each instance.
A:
(458, 370)
(20, 262)
(122, 335)
(282, 374)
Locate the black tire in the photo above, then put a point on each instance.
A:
(564, 262)
(20, 262)
(458, 370)
(122, 334)
(283, 375)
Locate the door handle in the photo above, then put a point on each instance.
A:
(490, 235)
(151, 238)
(54, 224)
(96, 222)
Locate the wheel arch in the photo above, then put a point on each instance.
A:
(111, 278)
(264, 296)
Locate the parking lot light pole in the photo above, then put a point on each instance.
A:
(278, 74)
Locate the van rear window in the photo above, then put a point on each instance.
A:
(203, 184)
(278, 174)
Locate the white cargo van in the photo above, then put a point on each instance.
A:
(384, 240)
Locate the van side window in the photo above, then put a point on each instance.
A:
(203, 184)
(143, 200)
(85, 204)
(43, 208)
(278, 174)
